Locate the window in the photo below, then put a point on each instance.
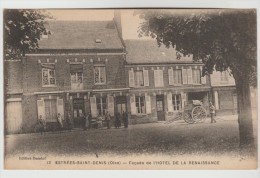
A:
(177, 78)
(140, 106)
(48, 75)
(76, 76)
(100, 74)
(196, 76)
(139, 78)
(224, 76)
(176, 102)
(158, 78)
(101, 105)
(50, 110)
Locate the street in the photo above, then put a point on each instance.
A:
(174, 138)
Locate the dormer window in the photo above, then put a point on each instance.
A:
(98, 41)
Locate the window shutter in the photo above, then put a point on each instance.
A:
(148, 104)
(132, 104)
(160, 72)
(41, 108)
(169, 101)
(146, 77)
(183, 99)
(131, 78)
(170, 73)
(189, 71)
(184, 76)
(111, 108)
(93, 106)
(156, 83)
(60, 108)
(203, 79)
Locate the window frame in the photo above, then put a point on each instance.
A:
(175, 103)
(105, 77)
(99, 101)
(48, 71)
(175, 72)
(138, 102)
(198, 75)
(135, 78)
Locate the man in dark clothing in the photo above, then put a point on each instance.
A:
(108, 118)
(125, 119)
(212, 112)
(117, 120)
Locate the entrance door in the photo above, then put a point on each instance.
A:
(13, 116)
(160, 107)
(120, 104)
(78, 112)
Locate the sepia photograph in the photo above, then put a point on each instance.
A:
(130, 89)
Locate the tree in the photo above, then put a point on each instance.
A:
(23, 29)
(221, 39)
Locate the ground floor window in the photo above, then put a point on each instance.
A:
(101, 105)
(176, 102)
(140, 106)
(50, 110)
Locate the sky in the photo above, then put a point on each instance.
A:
(130, 23)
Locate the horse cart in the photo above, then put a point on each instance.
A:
(193, 112)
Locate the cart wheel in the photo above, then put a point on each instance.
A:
(199, 114)
(187, 118)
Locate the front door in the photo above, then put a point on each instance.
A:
(160, 107)
(78, 112)
(120, 104)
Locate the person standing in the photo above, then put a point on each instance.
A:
(60, 121)
(89, 120)
(86, 127)
(125, 119)
(42, 125)
(117, 120)
(212, 112)
(108, 118)
(69, 122)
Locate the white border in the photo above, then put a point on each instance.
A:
(122, 4)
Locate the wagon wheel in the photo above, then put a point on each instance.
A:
(187, 118)
(199, 114)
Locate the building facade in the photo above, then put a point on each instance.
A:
(161, 84)
(76, 71)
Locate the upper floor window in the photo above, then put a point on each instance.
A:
(76, 76)
(99, 74)
(224, 76)
(48, 75)
(139, 78)
(158, 78)
(140, 104)
(196, 76)
(177, 78)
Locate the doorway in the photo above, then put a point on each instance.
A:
(121, 104)
(160, 107)
(78, 112)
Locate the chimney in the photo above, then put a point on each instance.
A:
(117, 20)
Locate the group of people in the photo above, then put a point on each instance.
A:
(89, 122)
(121, 117)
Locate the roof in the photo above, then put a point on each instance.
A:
(81, 35)
(148, 51)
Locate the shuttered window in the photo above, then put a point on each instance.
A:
(148, 104)
(196, 76)
(169, 102)
(101, 105)
(140, 104)
(139, 78)
(133, 105)
(93, 106)
(176, 102)
(100, 74)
